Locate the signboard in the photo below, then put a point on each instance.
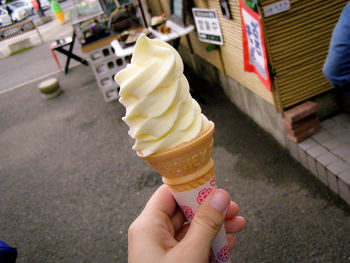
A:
(253, 45)
(207, 25)
(276, 8)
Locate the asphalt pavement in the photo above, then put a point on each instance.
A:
(70, 184)
(35, 64)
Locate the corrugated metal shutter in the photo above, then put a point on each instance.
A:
(298, 41)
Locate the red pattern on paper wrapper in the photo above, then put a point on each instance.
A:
(224, 255)
(212, 256)
(189, 202)
(213, 181)
(187, 212)
(203, 194)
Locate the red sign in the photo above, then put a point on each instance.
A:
(253, 45)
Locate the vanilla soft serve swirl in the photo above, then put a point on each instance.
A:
(160, 111)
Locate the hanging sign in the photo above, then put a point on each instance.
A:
(253, 45)
(207, 25)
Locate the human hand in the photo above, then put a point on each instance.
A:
(160, 233)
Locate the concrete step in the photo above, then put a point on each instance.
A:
(327, 154)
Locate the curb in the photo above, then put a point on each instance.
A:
(22, 85)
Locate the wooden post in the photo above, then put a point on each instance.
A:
(142, 13)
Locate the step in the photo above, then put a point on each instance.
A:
(327, 154)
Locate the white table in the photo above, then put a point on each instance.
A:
(176, 32)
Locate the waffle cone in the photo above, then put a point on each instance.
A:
(187, 166)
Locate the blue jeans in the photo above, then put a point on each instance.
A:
(337, 65)
(7, 254)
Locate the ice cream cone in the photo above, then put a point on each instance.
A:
(188, 165)
(60, 17)
(188, 170)
(160, 113)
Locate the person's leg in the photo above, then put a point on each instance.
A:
(343, 94)
(337, 65)
(7, 254)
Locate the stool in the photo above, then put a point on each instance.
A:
(50, 88)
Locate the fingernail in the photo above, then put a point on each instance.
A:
(219, 201)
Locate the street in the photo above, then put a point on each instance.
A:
(71, 185)
(38, 62)
(65, 5)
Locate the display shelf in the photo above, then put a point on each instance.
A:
(105, 64)
(86, 10)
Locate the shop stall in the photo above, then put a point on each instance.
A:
(96, 24)
(271, 56)
(294, 35)
(296, 41)
(107, 31)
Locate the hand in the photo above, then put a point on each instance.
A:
(160, 233)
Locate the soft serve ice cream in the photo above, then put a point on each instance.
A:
(160, 111)
(170, 132)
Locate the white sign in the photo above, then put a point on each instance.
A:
(255, 59)
(276, 8)
(207, 25)
(256, 54)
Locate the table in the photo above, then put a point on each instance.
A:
(176, 33)
(107, 57)
(59, 46)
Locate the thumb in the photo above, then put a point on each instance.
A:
(208, 221)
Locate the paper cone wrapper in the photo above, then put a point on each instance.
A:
(189, 171)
